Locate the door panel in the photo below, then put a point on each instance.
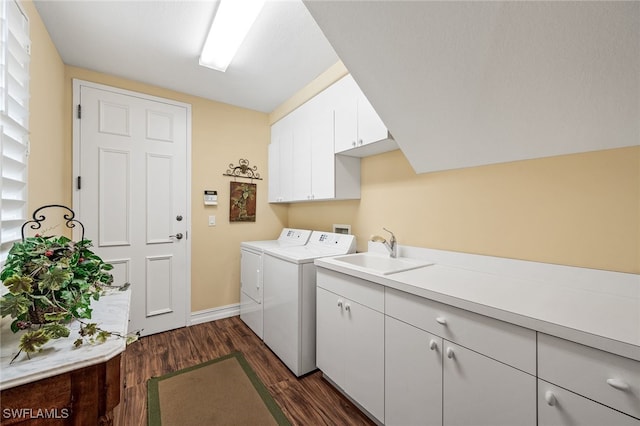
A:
(113, 189)
(413, 375)
(364, 375)
(478, 390)
(330, 335)
(131, 152)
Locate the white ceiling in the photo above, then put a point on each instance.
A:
(159, 42)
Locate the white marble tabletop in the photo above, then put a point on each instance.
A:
(111, 313)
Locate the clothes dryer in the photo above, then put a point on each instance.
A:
(251, 253)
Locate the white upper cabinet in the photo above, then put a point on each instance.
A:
(281, 162)
(359, 131)
(302, 163)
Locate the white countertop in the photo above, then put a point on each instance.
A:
(595, 308)
(58, 356)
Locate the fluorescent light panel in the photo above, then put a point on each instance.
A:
(230, 26)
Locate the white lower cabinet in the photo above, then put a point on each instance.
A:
(408, 360)
(578, 384)
(478, 390)
(431, 381)
(560, 407)
(413, 375)
(350, 348)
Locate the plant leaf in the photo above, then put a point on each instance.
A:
(14, 305)
(55, 330)
(31, 341)
(19, 284)
(54, 279)
(103, 336)
(55, 316)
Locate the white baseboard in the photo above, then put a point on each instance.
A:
(213, 314)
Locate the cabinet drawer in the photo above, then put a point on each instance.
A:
(364, 292)
(557, 406)
(604, 377)
(508, 343)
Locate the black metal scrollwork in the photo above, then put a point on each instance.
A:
(36, 222)
(243, 170)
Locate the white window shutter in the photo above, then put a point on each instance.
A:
(14, 121)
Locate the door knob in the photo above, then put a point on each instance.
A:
(618, 384)
(550, 398)
(450, 353)
(178, 235)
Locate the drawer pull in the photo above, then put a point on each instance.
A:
(340, 303)
(618, 384)
(433, 345)
(347, 307)
(441, 320)
(450, 353)
(550, 398)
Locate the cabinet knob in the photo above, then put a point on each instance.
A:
(450, 353)
(347, 307)
(359, 141)
(441, 320)
(618, 384)
(550, 398)
(340, 303)
(433, 345)
(353, 143)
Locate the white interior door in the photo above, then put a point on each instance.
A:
(131, 152)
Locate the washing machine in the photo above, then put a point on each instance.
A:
(290, 297)
(251, 253)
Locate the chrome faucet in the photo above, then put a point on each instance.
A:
(391, 245)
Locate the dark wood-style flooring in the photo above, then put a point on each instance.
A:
(309, 400)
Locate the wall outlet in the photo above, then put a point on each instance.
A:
(212, 220)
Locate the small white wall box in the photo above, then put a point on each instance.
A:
(341, 229)
(210, 198)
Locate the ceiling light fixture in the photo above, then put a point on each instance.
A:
(230, 26)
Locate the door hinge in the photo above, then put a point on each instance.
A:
(79, 184)
(79, 111)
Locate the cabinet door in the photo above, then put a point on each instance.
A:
(364, 356)
(481, 391)
(274, 168)
(285, 160)
(322, 156)
(301, 153)
(413, 375)
(370, 125)
(346, 113)
(560, 407)
(330, 335)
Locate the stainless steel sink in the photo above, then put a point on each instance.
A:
(381, 264)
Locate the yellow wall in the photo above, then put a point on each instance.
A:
(579, 210)
(49, 157)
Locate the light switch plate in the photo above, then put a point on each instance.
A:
(212, 220)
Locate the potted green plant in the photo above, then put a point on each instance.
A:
(52, 282)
